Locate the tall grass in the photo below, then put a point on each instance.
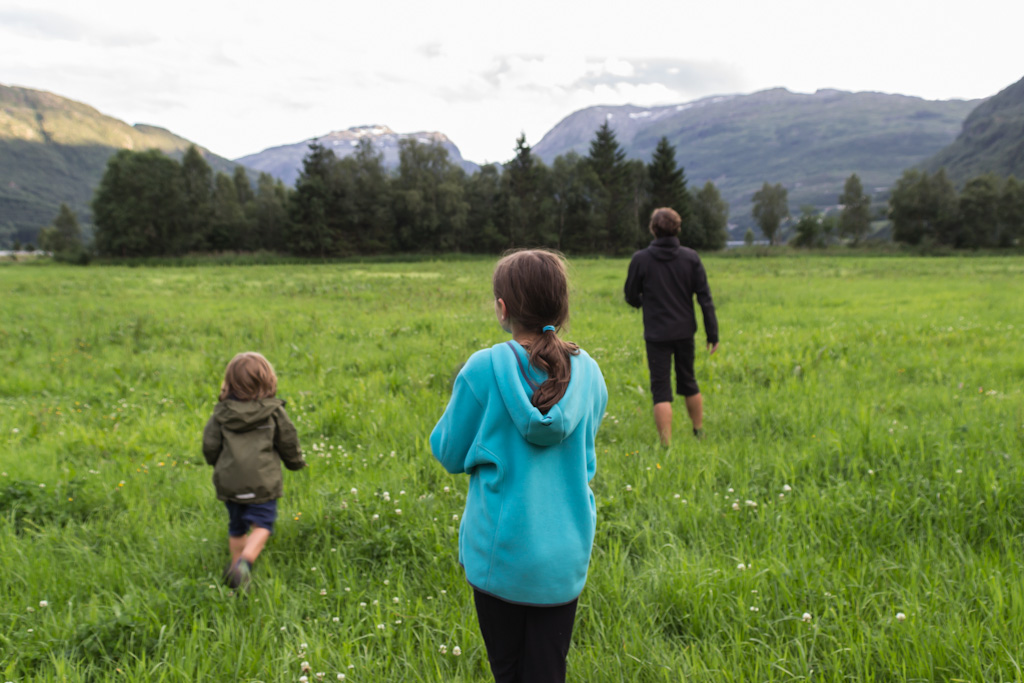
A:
(862, 461)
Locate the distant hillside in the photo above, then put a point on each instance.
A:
(285, 162)
(55, 150)
(992, 139)
(809, 143)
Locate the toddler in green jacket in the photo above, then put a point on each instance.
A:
(246, 440)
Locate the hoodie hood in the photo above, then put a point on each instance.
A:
(665, 248)
(241, 416)
(508, 361)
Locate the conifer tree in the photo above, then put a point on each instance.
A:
(616, 224)
(855, 219)
(668, 188)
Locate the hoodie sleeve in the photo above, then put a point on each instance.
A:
(286, 441)
(211, 441)
(634, 289)
(455, 432)
(707, 306)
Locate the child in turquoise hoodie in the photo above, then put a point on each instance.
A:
(521, 423)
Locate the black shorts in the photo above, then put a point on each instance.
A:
(241, 516)
(659, 362)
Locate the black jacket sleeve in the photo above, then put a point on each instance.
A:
(634, 289)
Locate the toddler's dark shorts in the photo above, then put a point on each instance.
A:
(241, 516)
(659, 362)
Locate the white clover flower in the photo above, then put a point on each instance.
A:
(303, 646)
(362, 604)
(629, 487)
(375, 518)
(354, 491)
(455, 518)
(447, 489)
(335, 620)
(44, 603)
(735, 506)
(381, 627)
(376, 602)
(396, 600)
(730, 490)
(398, 511)
(387, 581)
(323, 591)
(741, 566)
(676, 496)
(751, 504)
(303, 679)
(456, 650)
(807, 617)
(900, 616)
(781, 496)
(42, 486)
(341, 677)
(443, 649)
(787, 488)
(754, 609)
(305, 666)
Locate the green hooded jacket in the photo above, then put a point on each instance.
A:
(246, 442)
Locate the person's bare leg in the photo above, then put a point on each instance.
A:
(663, 421)
(237, 545)
(695, 407)
(254, 543)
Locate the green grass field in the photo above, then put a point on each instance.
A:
(855, 512)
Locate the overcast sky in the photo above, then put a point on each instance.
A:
(238, 77)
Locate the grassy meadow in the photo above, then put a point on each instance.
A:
(854, 513)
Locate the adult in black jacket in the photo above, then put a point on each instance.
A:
(662, 280)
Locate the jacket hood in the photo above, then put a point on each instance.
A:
(665, 248)
(536, 428)
(241, 416)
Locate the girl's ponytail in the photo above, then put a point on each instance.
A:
(535, 288)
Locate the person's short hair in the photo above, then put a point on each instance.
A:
(665, 222)
(249, 377)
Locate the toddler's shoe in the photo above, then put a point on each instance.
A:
(239, 575)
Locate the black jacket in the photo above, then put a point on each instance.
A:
(663, 279)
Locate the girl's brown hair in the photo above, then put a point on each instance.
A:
(535, 288)
(248, 377)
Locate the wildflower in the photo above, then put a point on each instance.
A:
(787, 488)
(396, 600)
(443, 649)
(375, 518)
(456, 650)
(629, 487)
(455, 518)
(676, 496)
(303, 679)
(900, 616)
(323, 591)
(354, 491)
(735, 506)
(807, 617)
(741, 566)
(381, 627)
(751, 504)
(341, 677)
(43, 603)
(305, 667)
(42, 486)
(447, 489)
(398, 511)
(362, 604)
(754, 609)
(335, 620)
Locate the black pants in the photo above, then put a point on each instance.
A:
(525, 644)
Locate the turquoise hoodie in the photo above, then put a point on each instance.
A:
(528, 527)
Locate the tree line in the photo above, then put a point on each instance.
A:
(148, 204)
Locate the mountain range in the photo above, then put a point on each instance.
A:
(991, 141)
(53, 149)
(810, 143)
(285, 162)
